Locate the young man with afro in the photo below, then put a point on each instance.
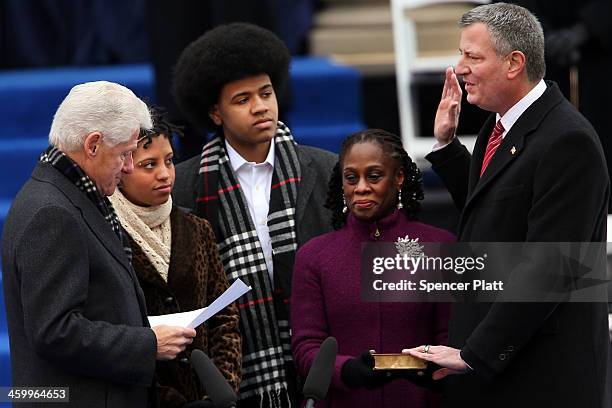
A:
(261, 191)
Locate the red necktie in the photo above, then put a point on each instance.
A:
(494, 141)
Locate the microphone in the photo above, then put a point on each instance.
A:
(320, 374)
(217, 387)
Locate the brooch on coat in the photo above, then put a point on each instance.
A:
(409, 247)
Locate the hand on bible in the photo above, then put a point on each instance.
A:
(446, 357)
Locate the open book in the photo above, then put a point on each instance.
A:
(194, 318)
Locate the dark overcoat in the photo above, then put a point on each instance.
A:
(76, 313)
(547, 182)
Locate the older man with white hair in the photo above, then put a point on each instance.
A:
(75, 311)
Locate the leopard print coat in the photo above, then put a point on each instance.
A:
(195, 278)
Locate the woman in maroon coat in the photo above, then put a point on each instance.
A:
(374, 195)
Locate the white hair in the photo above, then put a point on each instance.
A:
(105, 107)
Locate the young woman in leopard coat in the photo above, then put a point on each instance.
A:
(177, 263)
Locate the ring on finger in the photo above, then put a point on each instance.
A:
(426, 349)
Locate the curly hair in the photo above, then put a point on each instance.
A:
(224, 54)
(161, 126)
(391, 144)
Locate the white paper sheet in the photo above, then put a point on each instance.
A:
(194, 318)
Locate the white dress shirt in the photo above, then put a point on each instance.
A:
(255, 181)
(514, 113)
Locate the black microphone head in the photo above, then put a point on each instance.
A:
(320, 374)
(217, 387)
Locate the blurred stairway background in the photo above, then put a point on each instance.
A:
(359, 33)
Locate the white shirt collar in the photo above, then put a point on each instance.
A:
(237, 161)
(515, 112)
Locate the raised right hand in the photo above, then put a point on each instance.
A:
(447, 115)
(171, 340)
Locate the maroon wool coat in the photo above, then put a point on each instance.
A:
(326, 301)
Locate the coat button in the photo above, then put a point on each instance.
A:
(169, 301)
(184, 361)
(510, 349)
(502, 356)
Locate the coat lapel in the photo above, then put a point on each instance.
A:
(111, 242)
(184, 280)
(306, 186)
(96, 223)
(181, 277)
(512, 145)
(513, 142)
(91, 215)
(478, 154)
(187, 283)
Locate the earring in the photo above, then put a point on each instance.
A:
(399, 200)
(344, 208)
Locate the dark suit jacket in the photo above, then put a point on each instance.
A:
(312, 218)
(74, 307)
(554, 188)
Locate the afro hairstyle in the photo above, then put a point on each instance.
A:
(224, 54)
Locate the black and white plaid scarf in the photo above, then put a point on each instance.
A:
(267, 366)
(77, 176)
